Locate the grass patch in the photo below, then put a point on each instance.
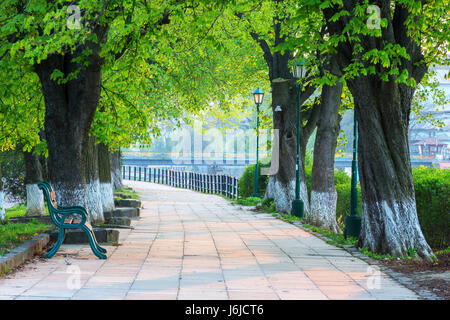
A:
(125, 193)
(442, 252)
(376, 256)
(335, 239)
(13, 234)
(249, 201)
(19, 210)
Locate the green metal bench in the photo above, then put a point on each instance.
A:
(74, 217)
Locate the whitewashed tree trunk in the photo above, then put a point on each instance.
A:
(35, 201)
(323, 210)
(115, 163)
(94, 197)
(107, 197)
(2, 205)
(104, 173)
(285, 194)
(323, 192)
(95, 201)
(33, 174)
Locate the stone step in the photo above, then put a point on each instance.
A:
(132, 203)
(78, 236)
(41, 219)
(118, 221)
(132, 213)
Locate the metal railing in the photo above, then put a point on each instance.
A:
(225, 185)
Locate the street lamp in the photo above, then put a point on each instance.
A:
(353, 221)
(258, 95)
(299, 72)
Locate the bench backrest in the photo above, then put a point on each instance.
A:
(53, 197)
(49, 194)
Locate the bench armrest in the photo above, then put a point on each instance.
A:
(67, 211)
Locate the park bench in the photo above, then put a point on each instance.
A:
(74, 217)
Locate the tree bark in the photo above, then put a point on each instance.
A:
(116, 163)
(389, 216)
(104, 171)
(323, 193)
(281, 186)
(69, 112)
(93, 183)
(33, 174)
(389, 222)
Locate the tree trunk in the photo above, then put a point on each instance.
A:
(93, 182)
(116, 163)
(389, 217)
(281, 186)
(323, 193)
(104, 172)
(33, 174)
(69, 112)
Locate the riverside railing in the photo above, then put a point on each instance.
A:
(225, 185)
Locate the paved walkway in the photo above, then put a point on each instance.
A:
(189, 245)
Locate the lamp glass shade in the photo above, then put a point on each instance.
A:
(299, 70)
(258, 95)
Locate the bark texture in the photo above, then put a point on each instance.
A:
(389, 215)
(116, 165)
(323, 193)
(33, 174)
(69, 111)
(281, 186)
(95, 208)
(104, 172)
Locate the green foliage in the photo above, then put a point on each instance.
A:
(249, 201)
(443, 252)
(340, 177)
(432, 190)
(247, 182)
(267, 205)
(126, 193)
(12, 234)
(288, 217)
(335, 239)
(376, 256)
(16, 211)
(343, 202)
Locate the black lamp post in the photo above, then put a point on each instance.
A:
(258, 95)
(297, 210)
